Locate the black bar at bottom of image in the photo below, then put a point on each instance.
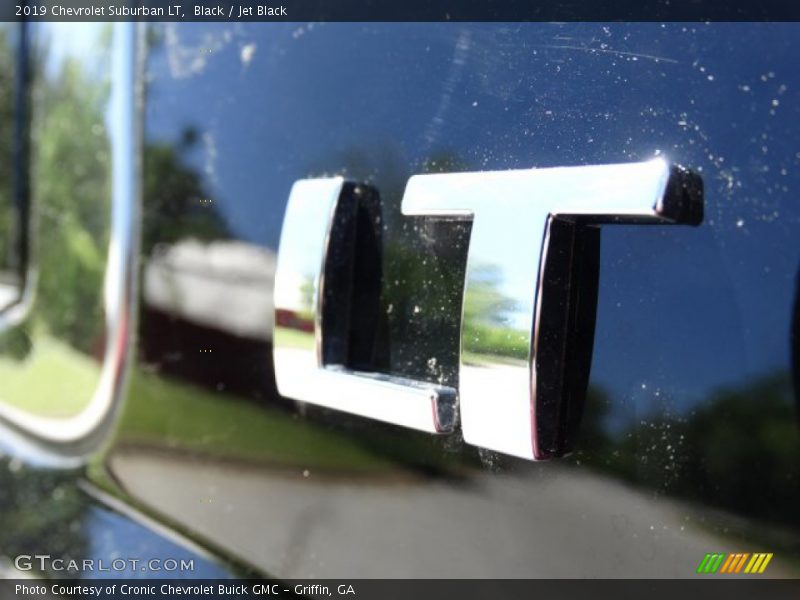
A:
(406, 589)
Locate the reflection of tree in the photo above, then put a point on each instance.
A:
(71, 190)
(486, 304)
(486, 311)
(176, 206)
(307, 296)
(444, 162)
(41, 512)
(738, 450)
(744, 450)
(72, 199)
(423, 262)
(6, 146)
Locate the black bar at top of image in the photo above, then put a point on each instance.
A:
(401, 10)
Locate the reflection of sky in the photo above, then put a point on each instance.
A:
(511, 207)
(88, 44)
(305, 233)
(682, 310)
(115, 537)
(79, 41)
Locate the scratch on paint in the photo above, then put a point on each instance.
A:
(607, 51)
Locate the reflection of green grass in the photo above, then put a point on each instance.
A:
(54, 380)
(501, 342)
(489, 359)
(294, 338)
(177, 415)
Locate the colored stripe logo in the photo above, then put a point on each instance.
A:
(739, 562)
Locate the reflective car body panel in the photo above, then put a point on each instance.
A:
(689, 441)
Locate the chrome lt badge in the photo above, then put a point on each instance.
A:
(538, 230)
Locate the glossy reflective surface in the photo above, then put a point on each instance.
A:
(53, 515)
(529, 298)
(64, 360)
(690, 439)
(522, 323)
(312, 316)
(13, 175)
(69, 321)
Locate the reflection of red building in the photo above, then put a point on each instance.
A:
(293, 320)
